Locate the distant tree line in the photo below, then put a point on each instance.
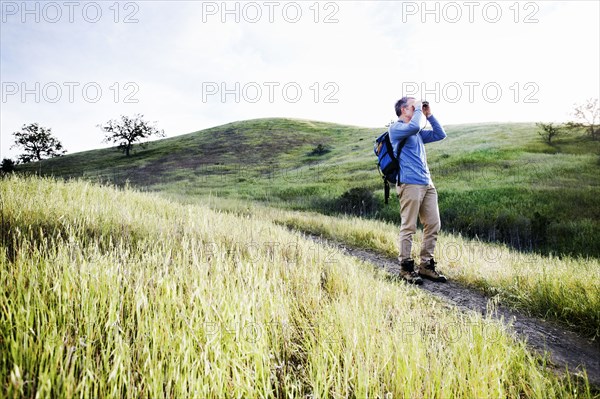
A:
(38, 143)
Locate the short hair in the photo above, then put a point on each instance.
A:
(401, 104)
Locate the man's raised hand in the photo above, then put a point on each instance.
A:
(426, 110)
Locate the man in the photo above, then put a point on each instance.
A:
(417, 195)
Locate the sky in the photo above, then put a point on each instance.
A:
(191, 65)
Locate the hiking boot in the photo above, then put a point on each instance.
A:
(427, 270)
(408, 273)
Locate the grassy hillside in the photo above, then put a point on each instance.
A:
(496, 181)
(112, 293)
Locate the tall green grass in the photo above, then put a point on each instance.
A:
(113, 293)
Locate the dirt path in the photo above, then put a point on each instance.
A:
(566, 348)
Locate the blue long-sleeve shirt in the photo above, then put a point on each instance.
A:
(413, 159)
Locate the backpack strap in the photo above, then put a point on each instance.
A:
(400, 147)
(386, 183)
(386, 190)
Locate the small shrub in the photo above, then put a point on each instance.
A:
(320, 149)
(548, 132)
(358, 201)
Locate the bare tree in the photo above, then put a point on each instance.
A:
(588, 116)
(128, 131)
(37, 143)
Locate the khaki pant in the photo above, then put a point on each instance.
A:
(418, 200)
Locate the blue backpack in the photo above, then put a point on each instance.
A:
(388, 163)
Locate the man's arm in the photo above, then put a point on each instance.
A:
(400, 131)
(437, 134)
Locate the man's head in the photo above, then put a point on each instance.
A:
(404, 107)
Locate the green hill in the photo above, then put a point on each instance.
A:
(498, 182)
